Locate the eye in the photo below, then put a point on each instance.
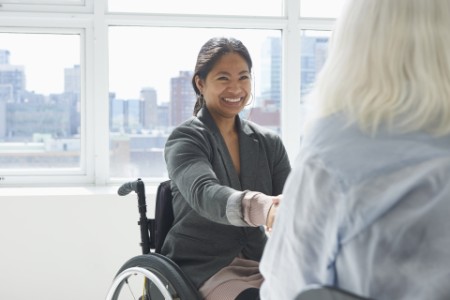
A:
(222, 78)
(244, 77)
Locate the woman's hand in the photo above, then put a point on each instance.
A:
(272, 212)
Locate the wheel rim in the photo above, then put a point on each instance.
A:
(124, 275)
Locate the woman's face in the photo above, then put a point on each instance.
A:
(227, 87)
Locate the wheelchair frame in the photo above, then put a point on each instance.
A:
(162, 278)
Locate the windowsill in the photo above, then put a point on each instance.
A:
(67, 191)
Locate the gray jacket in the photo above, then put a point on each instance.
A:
(208, 231)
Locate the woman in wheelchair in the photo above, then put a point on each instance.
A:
(227, 175)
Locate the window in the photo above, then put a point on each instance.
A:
(150, 89)
(40, 102)
(90, 90)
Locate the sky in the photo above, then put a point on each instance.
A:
(153, 56)
(138, 56)
(44, 65)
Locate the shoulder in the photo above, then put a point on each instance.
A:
(256, 130)
(191, 134)
(191, 128)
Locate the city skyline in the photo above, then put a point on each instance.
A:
(138, 125)
(128, 55)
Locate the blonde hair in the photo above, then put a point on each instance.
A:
(389, 64)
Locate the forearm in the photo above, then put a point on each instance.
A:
(249, 208)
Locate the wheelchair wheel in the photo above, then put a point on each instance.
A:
(152, 277)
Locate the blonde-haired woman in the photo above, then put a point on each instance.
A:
(367, 205)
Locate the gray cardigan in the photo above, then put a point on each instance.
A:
(208, 230)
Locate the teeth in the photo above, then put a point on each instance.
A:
(232, 99)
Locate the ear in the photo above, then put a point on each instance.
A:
(199, 83)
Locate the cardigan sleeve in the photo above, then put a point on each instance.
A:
(193, 155)
(188, 154)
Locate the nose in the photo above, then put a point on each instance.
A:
(234, 86)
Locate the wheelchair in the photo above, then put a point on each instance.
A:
(153, 276)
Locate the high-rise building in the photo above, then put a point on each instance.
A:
(271, 73)
(182, 98)
(115, 113)
(150, 108)
(314, 51)
(72, 91)
(133, 109)
(12, 79)
(163, 115)
(72, 80)
(12, 87)
(4, 57)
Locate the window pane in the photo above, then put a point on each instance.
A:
(231, 7)
(39, 101)
(320, 8)
(151, 91)
(314, 48)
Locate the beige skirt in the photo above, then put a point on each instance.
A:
(230, 281)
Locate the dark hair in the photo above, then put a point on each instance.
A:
(208, 56)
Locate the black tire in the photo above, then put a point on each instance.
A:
(179, 286)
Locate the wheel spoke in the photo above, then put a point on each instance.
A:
(129, 288)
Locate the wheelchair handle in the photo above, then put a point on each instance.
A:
(139, 187)
(128, 187)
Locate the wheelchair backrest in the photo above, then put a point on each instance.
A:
(163, 214)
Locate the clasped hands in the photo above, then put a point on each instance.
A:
(272, 212)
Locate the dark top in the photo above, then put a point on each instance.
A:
(208, 230)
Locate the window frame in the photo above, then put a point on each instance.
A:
(83, 6)
(92, 20)
(30, 177)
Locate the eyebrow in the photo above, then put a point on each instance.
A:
(227, 73)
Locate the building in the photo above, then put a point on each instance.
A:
(271, 73)
(12, 79)
(182, 97)
(150, 108)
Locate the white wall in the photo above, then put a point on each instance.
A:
(65, 243)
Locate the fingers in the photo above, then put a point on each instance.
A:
(277, 199)
(273, 212)
(271, 217)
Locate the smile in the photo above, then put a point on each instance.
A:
(232, 99)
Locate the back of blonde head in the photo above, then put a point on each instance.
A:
(389, 63)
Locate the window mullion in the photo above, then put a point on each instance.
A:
(100, 130)
(290, 123)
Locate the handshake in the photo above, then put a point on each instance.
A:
(272, 213)
(260, 209)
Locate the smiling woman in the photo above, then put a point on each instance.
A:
(223, 85)
(227, 87)
(226, 175)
